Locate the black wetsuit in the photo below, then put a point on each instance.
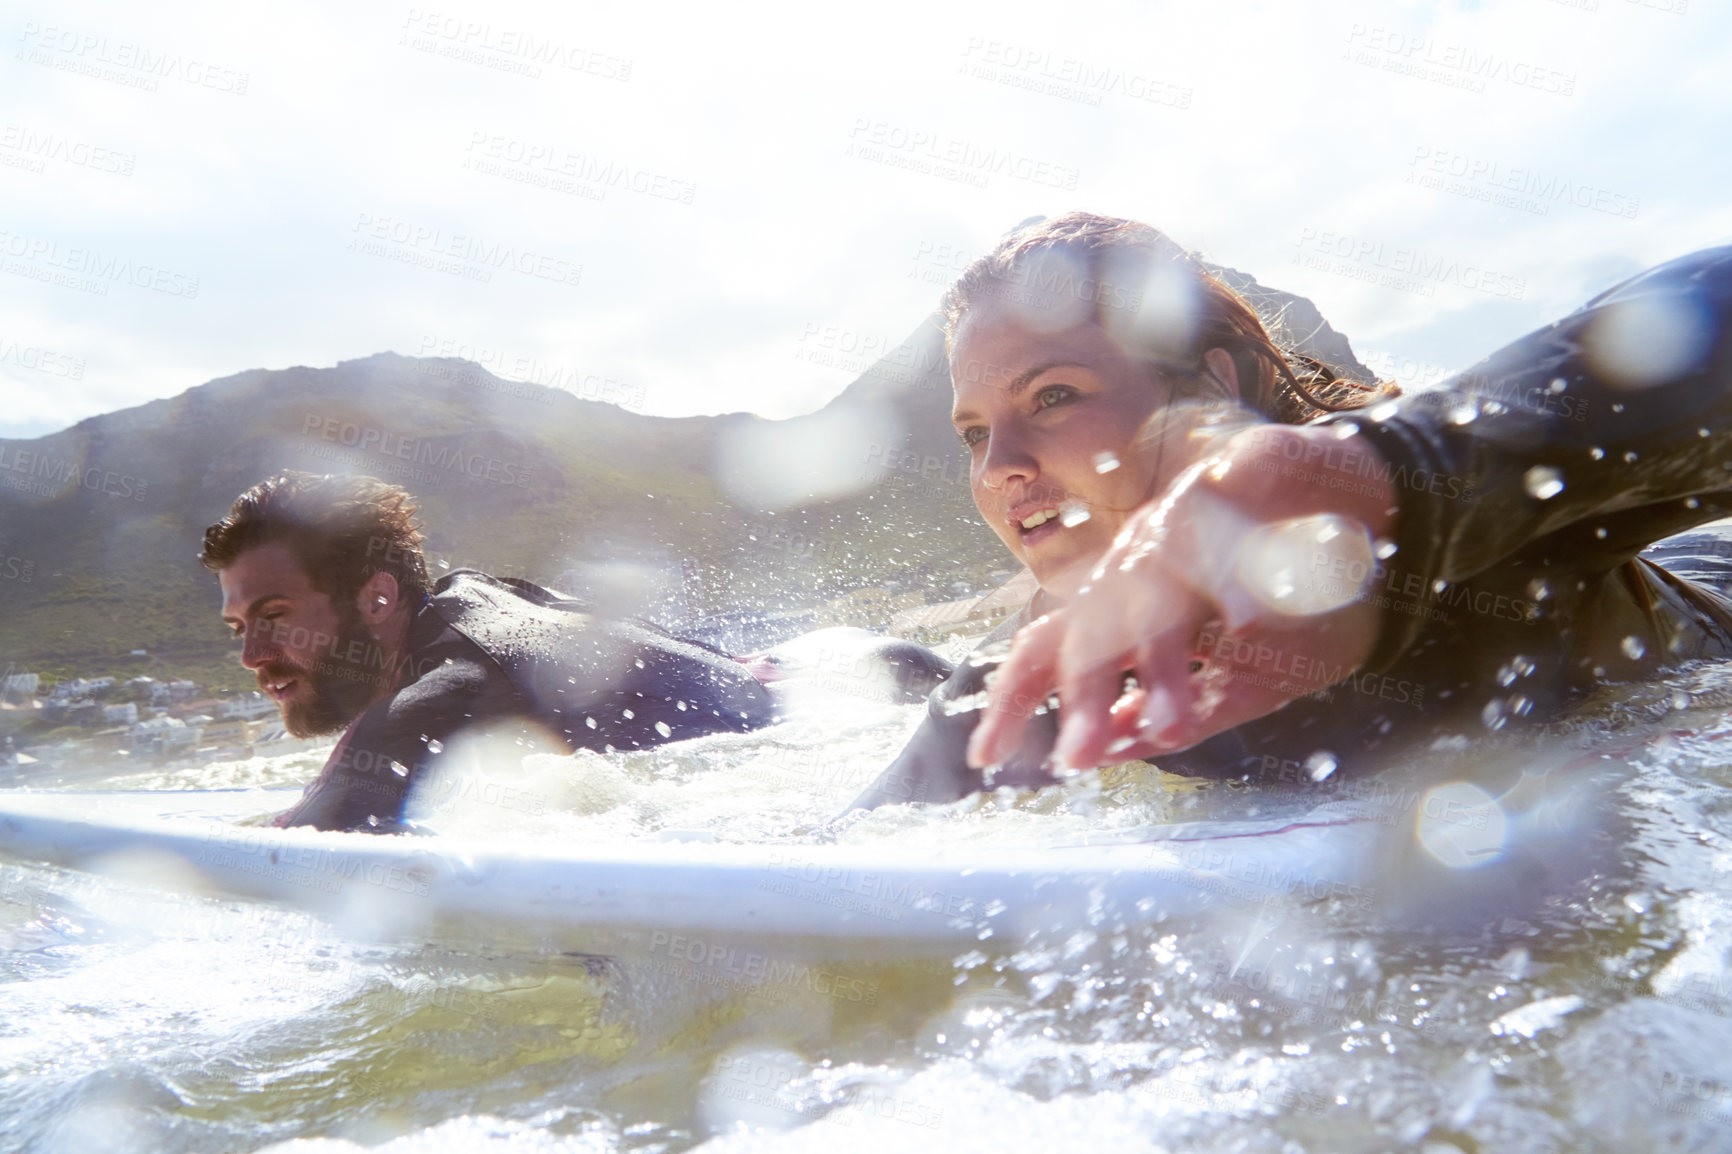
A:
(1507, 597)
(484, 652)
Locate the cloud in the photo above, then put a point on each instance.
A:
(679, 200)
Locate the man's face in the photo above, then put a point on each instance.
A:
(316, 660)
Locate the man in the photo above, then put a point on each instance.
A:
(324, 578)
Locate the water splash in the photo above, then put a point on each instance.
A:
(1543, 482)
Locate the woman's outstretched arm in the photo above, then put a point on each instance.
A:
(1613, 425)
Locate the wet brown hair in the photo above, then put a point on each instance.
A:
(1103, 268)
(342, 529)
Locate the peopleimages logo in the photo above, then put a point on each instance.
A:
(122, 62)
(103, 266)
(40, 360)
(45, 475)
(367, 439)
(457, 253)
(953, 158)
(1506, 185)
(40, 147)
(1423, 268)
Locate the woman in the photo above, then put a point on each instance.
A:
(1331, 575)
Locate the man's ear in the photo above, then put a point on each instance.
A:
(378, 598)
(1220, 365)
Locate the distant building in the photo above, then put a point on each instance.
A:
(120, 714)
(23, 684)
(253, 704)
(165, 737)
(868, 608)
(182, 690)
(969, 617)
(233, 737)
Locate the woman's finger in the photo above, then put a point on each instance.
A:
(1020, 685)
(1086, 698)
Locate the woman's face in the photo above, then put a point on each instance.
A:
(1052, 422)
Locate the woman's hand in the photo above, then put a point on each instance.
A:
(1253, 564)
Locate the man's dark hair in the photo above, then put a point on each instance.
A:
(343, 529)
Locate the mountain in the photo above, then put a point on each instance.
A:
(100, 523)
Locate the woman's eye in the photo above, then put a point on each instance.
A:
(1052, 395)
(972, 435)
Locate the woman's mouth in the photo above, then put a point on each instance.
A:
(1035, 524)
(1038, 526)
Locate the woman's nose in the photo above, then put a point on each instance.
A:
(1008, 456)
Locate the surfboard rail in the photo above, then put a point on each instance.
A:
(847, 892)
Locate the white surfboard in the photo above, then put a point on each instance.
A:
(551, 895)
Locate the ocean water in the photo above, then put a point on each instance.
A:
(1575, 998)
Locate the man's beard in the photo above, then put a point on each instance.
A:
(336, 691)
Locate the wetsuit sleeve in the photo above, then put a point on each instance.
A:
(391, 747)
(933, 765)
(1611, 428)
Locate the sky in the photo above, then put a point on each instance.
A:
(708, 208)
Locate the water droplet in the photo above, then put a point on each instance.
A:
(627, 714)
(1600, 532)
(1384, 411)
(1521, 706)
(589, 721)
(1320, 765)
(1597, 453)
(1701, 432)
(1558, 385)
(1522, 665)
(1633, 647)
(1439, 585)
(1692, 503)
(1106, 461)
(1493, 715)
(1506, 675)
(1543, 482)
(399, 769)
(1384, 549)
(680, 705)
(1680, 699)
(638, 662)
(1072, 513)
(1463, 413)
(1630, 456)
(1538, 589)
(435, 746)
(664, 729)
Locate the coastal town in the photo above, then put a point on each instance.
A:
(82, 723)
